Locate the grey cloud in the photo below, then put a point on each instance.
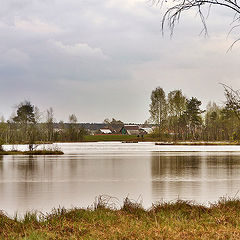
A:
(102, 58)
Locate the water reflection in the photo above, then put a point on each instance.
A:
(202, 177)
(44, 182)
(174, 166)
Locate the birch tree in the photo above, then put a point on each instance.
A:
(158, 109)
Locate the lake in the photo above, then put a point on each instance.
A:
(141, 171)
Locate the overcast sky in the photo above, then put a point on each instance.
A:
(102, 58)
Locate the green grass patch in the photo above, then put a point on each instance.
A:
(109, 137)
(150, 138)
(120, 138)
(178, 220)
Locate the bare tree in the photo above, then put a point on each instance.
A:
(158, 109)
(232, 100)
(72, 128)
(178, 7)
(49, 123)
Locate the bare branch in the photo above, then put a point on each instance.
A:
(232, 99)
(173, 14)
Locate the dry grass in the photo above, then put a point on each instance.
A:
(179, 220)
(35, 152)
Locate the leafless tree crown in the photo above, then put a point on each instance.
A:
(173, 14)
(232, 99)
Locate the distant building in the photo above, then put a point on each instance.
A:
(105, 131)
(115, 128)
(130, 130)
(147, 130)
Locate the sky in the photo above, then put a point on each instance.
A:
(101, 59)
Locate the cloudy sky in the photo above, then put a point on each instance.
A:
(102, 58)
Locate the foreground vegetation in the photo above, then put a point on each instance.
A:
(179, 220)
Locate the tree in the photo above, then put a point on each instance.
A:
(158, 108)
(25, 113)
(231, 111)
(176, 108)
(113, 124)
(72, 119)
(192, 115)
(176, 103)
(26, 120)
(49, 124)
(213, 122)
(232, 100)
(72, 128)
(176, 9)
(1, 143)
(3, 129)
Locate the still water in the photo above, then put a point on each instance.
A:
(140, 171)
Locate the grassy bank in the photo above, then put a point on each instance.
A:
(135, 138)
(149, 138)
(180, 220)
(35, 152)
(106, 137)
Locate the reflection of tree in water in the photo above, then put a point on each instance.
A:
(228, 161)
(28, 167)
(169, 173)
(224, 164)
(193, 175)
(29, 172)
(192, 165)
(174, 166)
(172, 175)
(18, 167)
(1, 166)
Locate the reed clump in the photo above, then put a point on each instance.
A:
(165, 220)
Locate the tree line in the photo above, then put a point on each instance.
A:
(177, 117)
(27, 126)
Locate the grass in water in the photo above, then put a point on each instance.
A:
(35, 152)
(178, 220)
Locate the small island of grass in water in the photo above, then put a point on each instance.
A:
(32, 151)
(178, 220)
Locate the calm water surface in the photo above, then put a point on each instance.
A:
(139, 171)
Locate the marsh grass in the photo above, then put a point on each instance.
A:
(35, 152)
(165, 220)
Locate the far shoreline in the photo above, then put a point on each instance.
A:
(148, 138)
(132, 140)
